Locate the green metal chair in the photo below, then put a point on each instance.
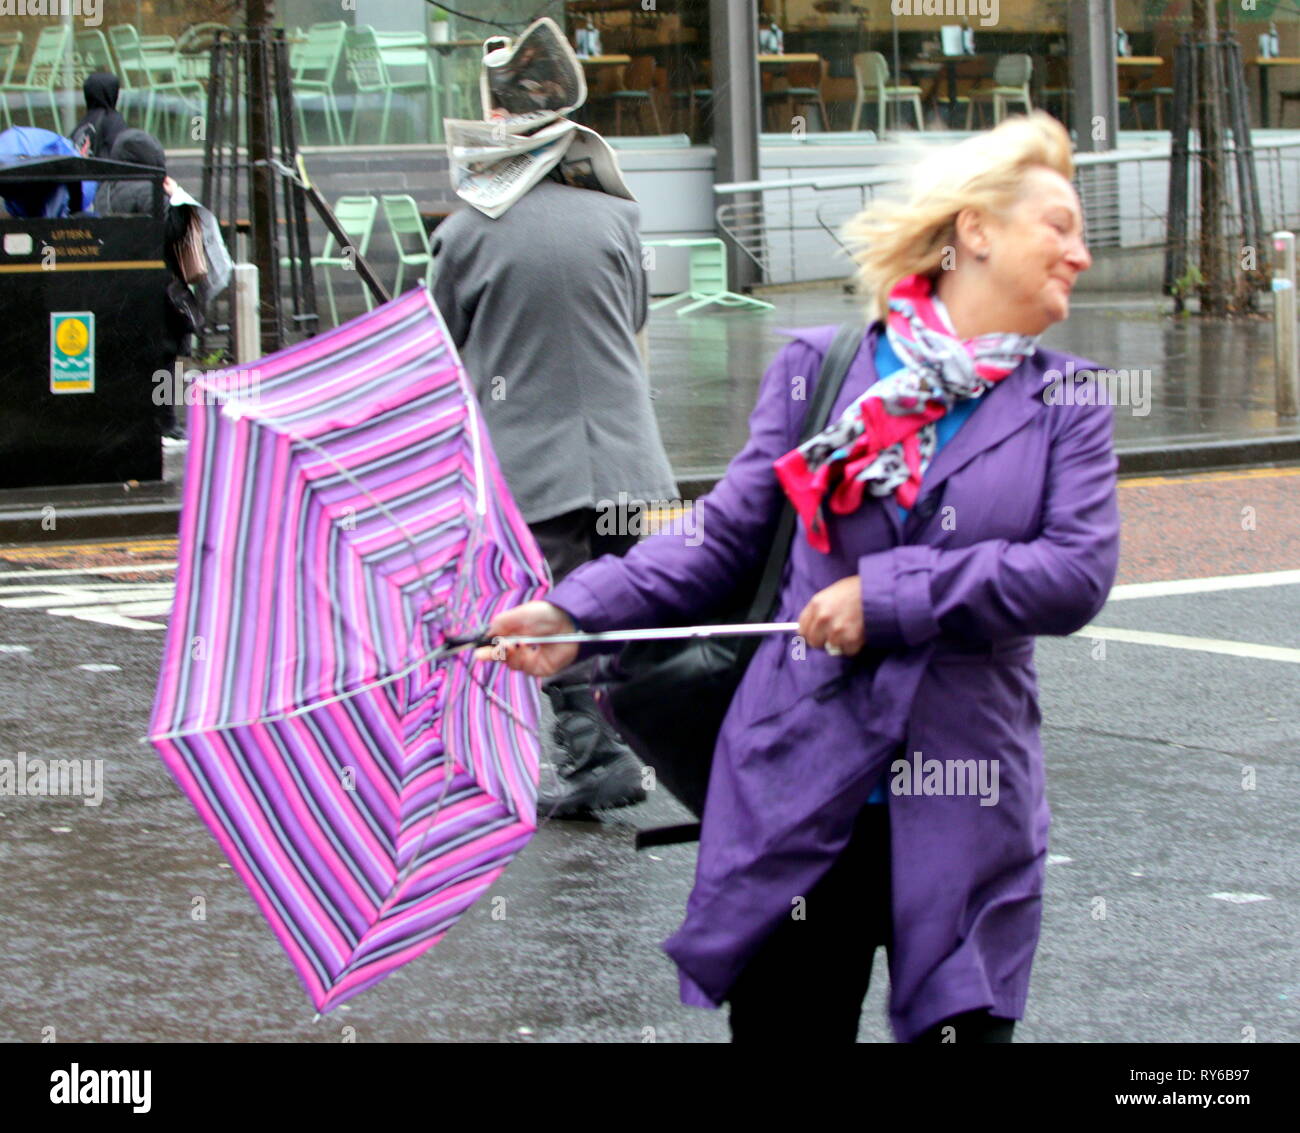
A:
(44, 73)
(370, 76)
(11, 47)
(410, 68)
(357, 216)
(707, 279)
(871, 74)
(407, 227)
(635, 89)
(90, 53)
(152, 67)
(1011, 78)
(195, 48)
(460, 85)
(315, 67)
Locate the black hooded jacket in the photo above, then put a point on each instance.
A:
(127, 198)
(124, 198)
(105, 123)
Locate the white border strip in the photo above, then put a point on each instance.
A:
(1204, 585)
(1199, 644)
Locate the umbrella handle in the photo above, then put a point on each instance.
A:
(466, 640)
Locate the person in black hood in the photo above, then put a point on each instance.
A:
(102, 123)
(126, 198)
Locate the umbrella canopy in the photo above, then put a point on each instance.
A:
(343, 515)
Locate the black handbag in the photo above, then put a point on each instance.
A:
(668, 698)
(185, 306)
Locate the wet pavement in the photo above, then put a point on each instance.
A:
(1191, 383)
(1206, 380)
(1173, 773)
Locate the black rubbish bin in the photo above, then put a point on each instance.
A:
(84, 302)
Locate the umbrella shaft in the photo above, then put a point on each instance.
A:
(667, 633)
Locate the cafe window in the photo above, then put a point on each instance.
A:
(647, 68)
(386, 72)
(157, 48)
(1268, 32)
(863, 67)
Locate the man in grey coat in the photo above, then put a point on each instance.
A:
(545, 303)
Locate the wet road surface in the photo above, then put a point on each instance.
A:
(1173, 773)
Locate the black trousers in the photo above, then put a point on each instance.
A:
(576, 537)
(809, 978)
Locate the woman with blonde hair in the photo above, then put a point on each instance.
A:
(881, 782)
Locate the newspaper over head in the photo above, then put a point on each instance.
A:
(529, 87)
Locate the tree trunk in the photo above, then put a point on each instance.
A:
(1217, 266)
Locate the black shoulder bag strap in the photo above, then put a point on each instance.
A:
(835, 366)
(830, 379)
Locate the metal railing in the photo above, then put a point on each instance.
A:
(790, 228)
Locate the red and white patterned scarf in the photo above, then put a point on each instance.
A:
(884, 442)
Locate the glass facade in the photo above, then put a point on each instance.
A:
(386, 72)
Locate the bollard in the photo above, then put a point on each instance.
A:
(1286, 363)
(246, 314)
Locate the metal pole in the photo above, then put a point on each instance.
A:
(733, 42)
(1252, 217)
(260, 15)
(1286, 363)
(1093, 75)
(68, 110)
(898, 75)
(245, 314)
(1179, 157)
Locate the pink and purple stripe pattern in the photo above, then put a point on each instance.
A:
(343, 515)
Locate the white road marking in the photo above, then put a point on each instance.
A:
(1241, 898)
(15, 649)
(129, 609)
(1204, 585)
(1058, 859)
(125, 605)
(1197, 644)
(101, 668)
(52, 572)
(70, 596)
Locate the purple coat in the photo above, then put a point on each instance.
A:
(1015, 533)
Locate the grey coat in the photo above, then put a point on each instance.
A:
(544, 304)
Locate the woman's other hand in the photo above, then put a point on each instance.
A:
(532, 619)
(833, 621)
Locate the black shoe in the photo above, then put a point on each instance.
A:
(596, 770)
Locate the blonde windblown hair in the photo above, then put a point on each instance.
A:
(892, 239)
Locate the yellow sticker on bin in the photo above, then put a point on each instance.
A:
(72, 352)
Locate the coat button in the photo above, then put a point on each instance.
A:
(926, 507)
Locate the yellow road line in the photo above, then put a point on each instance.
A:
(1206, 477)
(63, 550)
(168, 545)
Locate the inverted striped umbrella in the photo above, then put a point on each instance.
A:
(343, 517)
